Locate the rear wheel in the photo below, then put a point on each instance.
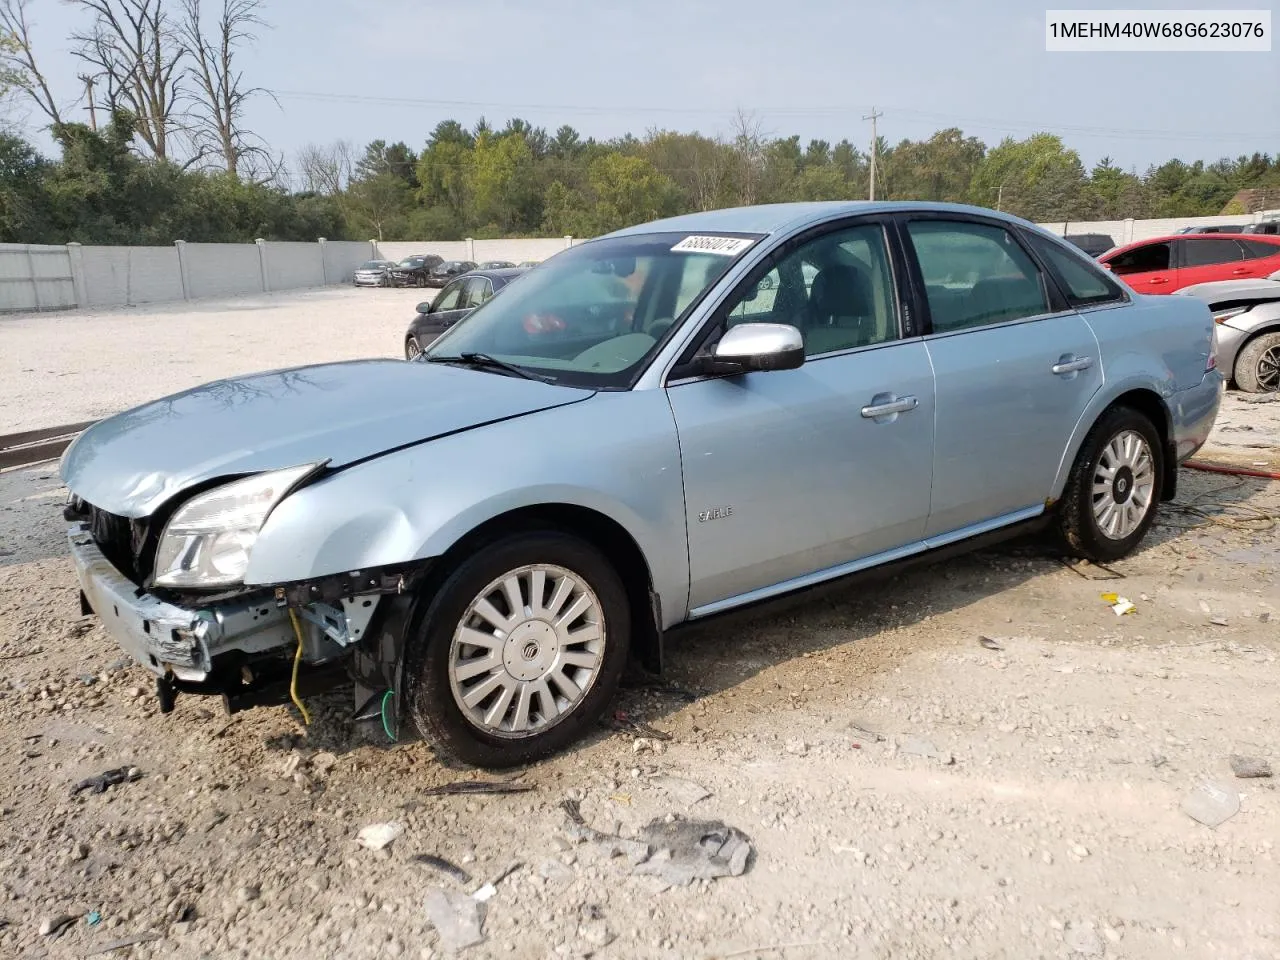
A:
(411, 349)
(1258, 365)
(1114, 487)
(520, 651)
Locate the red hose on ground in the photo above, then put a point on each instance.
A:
(1234, 471)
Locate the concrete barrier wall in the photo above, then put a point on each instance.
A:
(129, 276)
(35, 277)
(294, 265)
(1128, 231)
(222, 269)
(341, 258)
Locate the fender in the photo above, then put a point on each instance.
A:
(414, 504)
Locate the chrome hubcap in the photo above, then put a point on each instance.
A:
(1123, 485)
(527, 651)
(1269, 370)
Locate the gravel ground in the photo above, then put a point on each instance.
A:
(67, 367)
(909, 791)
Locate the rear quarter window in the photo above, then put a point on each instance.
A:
(1081, 280)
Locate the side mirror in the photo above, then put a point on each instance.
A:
(424, 306)
(751, 347)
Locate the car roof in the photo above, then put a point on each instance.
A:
(506, 274)
(1198, 238)
(771, 218)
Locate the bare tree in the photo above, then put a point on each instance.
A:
(134, 49)
(221, 95)
(325, 169)
(18, 60)
(748, 145)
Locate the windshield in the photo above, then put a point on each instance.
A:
(595, 314)
(411, 262)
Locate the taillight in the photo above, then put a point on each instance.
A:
(1212, 362)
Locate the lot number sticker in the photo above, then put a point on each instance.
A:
(727, 246)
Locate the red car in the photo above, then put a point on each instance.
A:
(1166, 264)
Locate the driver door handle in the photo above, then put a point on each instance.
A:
(889, 407)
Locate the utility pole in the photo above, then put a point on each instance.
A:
(88, 89)
(875, 145)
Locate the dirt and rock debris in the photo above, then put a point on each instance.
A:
(978, 759)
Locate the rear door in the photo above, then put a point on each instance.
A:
(1149, 268)
(1202, 259)
(1014, 368)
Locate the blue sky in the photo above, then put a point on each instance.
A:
(809, 67)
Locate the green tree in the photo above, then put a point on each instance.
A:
(628, 190)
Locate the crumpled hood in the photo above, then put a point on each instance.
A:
(131, 463)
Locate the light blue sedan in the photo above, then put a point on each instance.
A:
(659, 425)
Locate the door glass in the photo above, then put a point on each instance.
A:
(975, 275)
(450, 297)
(1256, 249)
(1146, 259)
(476, 292)
(1085, 282)
(1204, 253)
(837, 289)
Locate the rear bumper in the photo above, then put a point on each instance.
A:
(167, 639)
(1192, 415)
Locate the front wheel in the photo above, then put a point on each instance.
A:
(520, 650)
(1258, 365)
(1114, 487)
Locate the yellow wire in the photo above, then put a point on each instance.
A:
(297, 659)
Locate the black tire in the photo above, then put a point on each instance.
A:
(422, 281)
(429, 695)
(411, 348)
(1077, 524)
(1256, 370)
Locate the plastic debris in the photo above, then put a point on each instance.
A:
(108, 778)
(458, 918)
(624, 723)
(1120, 606)
(685, 791)
(473, 787)
(864, 733)
(113, 945)
(1083, 938)
(1248, 768)
(93, 918)
(688, 850)
(920, 747)
(990, 644)
(1212, 803)
(485, 893)
(443, 865)
(378, 835)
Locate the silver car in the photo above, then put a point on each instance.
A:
(1247, 315)
(374, 273)
(669, 422)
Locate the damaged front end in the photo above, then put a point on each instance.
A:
(253, 646)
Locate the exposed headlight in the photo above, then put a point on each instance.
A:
(207, 541)
(1222, 316)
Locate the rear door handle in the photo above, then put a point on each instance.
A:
(1239, 271)
(888, 407)
(1064, 366)
(1158, 280)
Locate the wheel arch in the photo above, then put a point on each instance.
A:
(604, 533)
(1150, 404)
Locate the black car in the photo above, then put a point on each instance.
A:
(453, 303)
(415, 271)
(1094, 244)
(445, 271)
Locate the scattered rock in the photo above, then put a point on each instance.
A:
(248, 894)
(685, 791)
(1082, 938)
(378, 835)
(920, 747)
(1247, 768)
(80, 852)
(53, 926)
(1212, 802)
(555, 871)
(458, 919)
(797, 746)
(323, 762)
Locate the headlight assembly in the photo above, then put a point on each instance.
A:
(207, 541)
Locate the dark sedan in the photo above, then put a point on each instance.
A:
(453, 303)
(443, 272)
(415, 271)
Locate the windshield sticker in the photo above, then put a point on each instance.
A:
(726, 246)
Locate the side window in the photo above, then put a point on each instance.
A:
(451, 296)
(837, 289)
(477, 292)
(1256, 249)
(975, 275)
(1204, 253)
(1145, 259)
(1083, 280)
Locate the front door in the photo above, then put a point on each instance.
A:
(800, 474)
(1013, 370)
(1150, 268)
